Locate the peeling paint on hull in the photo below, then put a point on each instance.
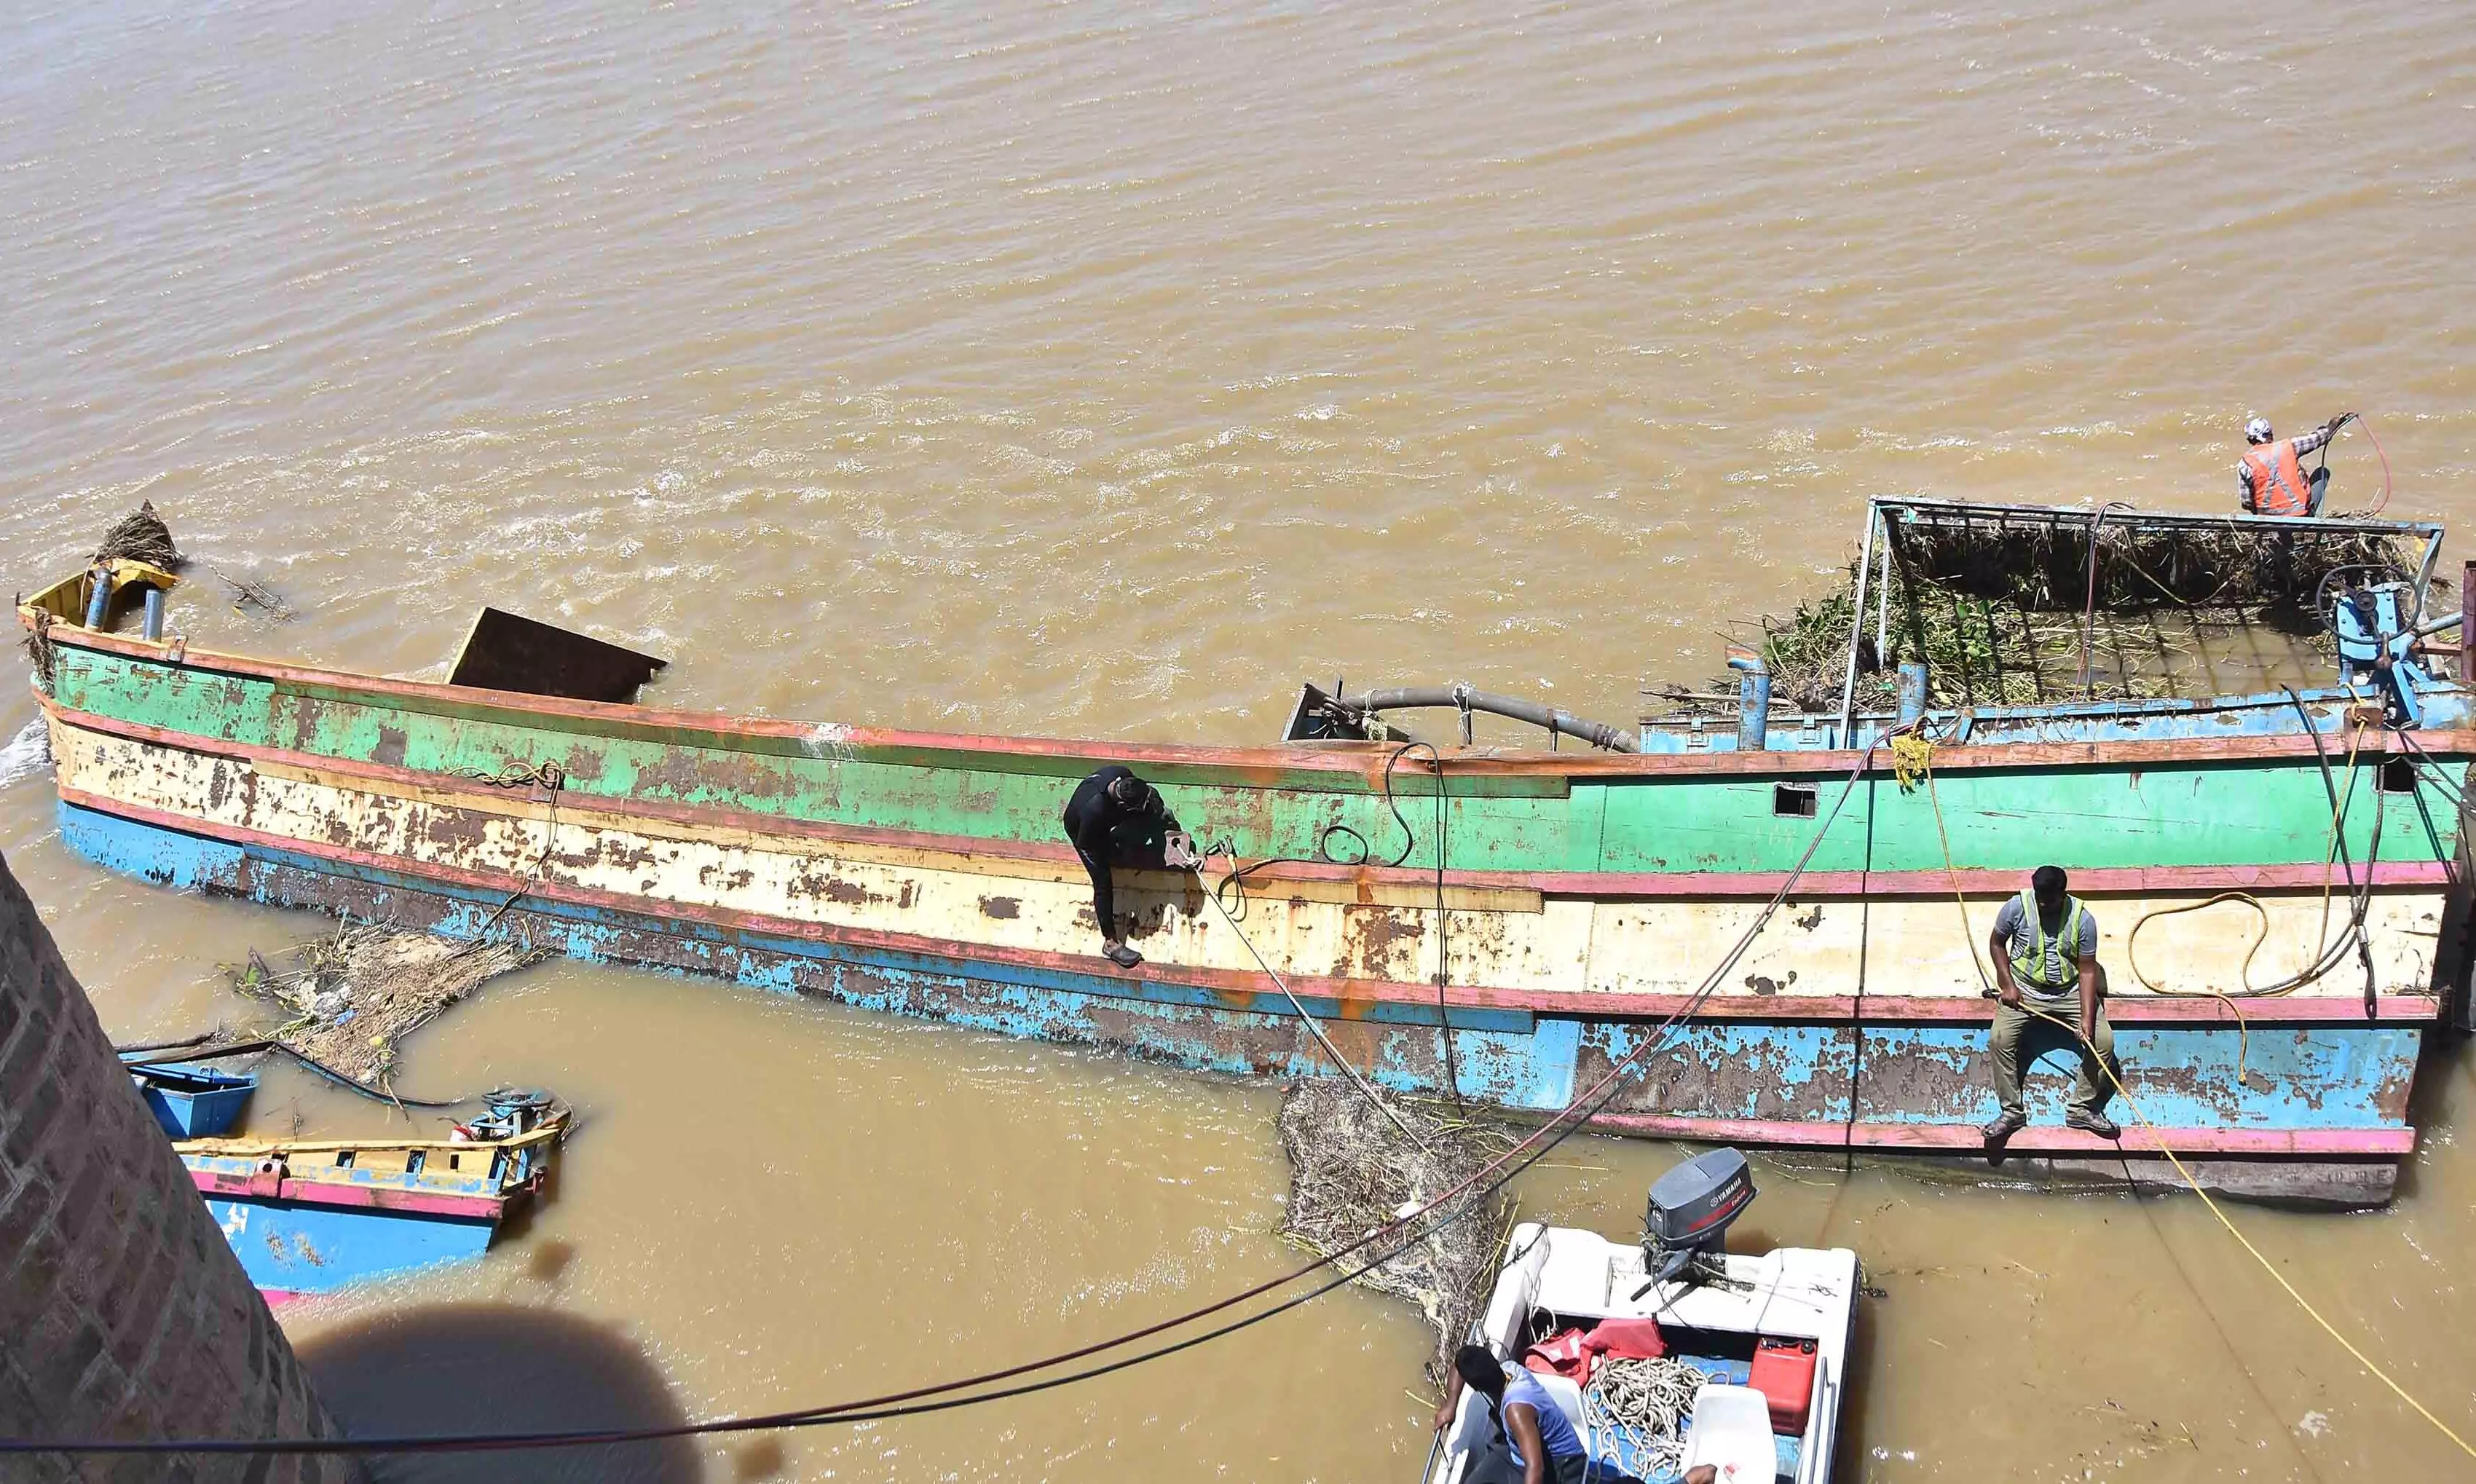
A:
(1785, 1084)
(1583, 897)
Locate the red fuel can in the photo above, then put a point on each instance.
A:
(1784, 1373)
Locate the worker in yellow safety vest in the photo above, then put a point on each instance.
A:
(2271, 473)
(2045, 947)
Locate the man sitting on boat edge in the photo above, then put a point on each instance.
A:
(1534, 1443)
(2044, 945)
(1116, 819)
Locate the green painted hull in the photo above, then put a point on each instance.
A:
(1670, 816)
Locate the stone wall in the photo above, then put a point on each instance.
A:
(126, 1315)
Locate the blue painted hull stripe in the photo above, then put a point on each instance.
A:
(2185, 1074)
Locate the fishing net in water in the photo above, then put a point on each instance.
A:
(354, 996)
(140, 535)
(1351, 1170)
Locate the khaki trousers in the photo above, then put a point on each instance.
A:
(2021, 1038)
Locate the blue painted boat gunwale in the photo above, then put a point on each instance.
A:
(2261, 714)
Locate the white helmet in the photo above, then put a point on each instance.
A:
(2257, 430)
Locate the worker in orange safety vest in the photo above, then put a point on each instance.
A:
(2271, 474)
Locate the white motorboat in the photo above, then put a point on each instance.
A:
(1767, 1338)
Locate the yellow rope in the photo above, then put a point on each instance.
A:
(2266, 1266)
(1913, 758)
(1913, 764)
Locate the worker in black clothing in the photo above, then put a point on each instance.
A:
(1115, 819)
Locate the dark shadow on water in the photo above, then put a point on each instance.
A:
(499, 1368)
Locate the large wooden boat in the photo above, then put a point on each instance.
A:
(1583, 897)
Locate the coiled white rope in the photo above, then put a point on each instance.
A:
(1645, 1404)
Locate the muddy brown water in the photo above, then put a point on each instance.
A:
(1108, 370)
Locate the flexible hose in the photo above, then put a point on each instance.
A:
(2382, 504)
(1462, 698)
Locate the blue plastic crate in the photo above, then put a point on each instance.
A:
(192, 1103)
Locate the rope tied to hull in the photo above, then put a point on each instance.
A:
(1315, 1027)
(1233, 884)
(546, 776)
(1913, 764)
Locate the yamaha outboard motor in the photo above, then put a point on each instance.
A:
(1691, 1210)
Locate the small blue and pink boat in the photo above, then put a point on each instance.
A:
(309, 1217)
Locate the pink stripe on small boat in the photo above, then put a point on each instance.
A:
(369, 1198)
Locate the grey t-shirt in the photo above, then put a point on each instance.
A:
(2055, 975)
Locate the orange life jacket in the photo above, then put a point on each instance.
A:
(2277, 475)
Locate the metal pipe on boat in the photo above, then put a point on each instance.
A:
(2425, 572)
(1913, 691)
(1753, 703)
(1856, 624)
(1462, 698)
(2467, 619)
(100, 603)
(1883, 597)
(154, 624)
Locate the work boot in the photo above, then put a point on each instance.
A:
(2091, 1121)
(2005, 1127)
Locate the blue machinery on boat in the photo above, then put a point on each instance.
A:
(2378, 634)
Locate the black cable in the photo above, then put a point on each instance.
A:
(1560, 1125)
(1236, 879)
(200, 1039)
(2359, 900)
(1324, 856)
(374, 1095)
(259, 1043)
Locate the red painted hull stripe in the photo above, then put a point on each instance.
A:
(1363, 761)
(2040, 1139)
(1593, 885)
(1240, 990)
